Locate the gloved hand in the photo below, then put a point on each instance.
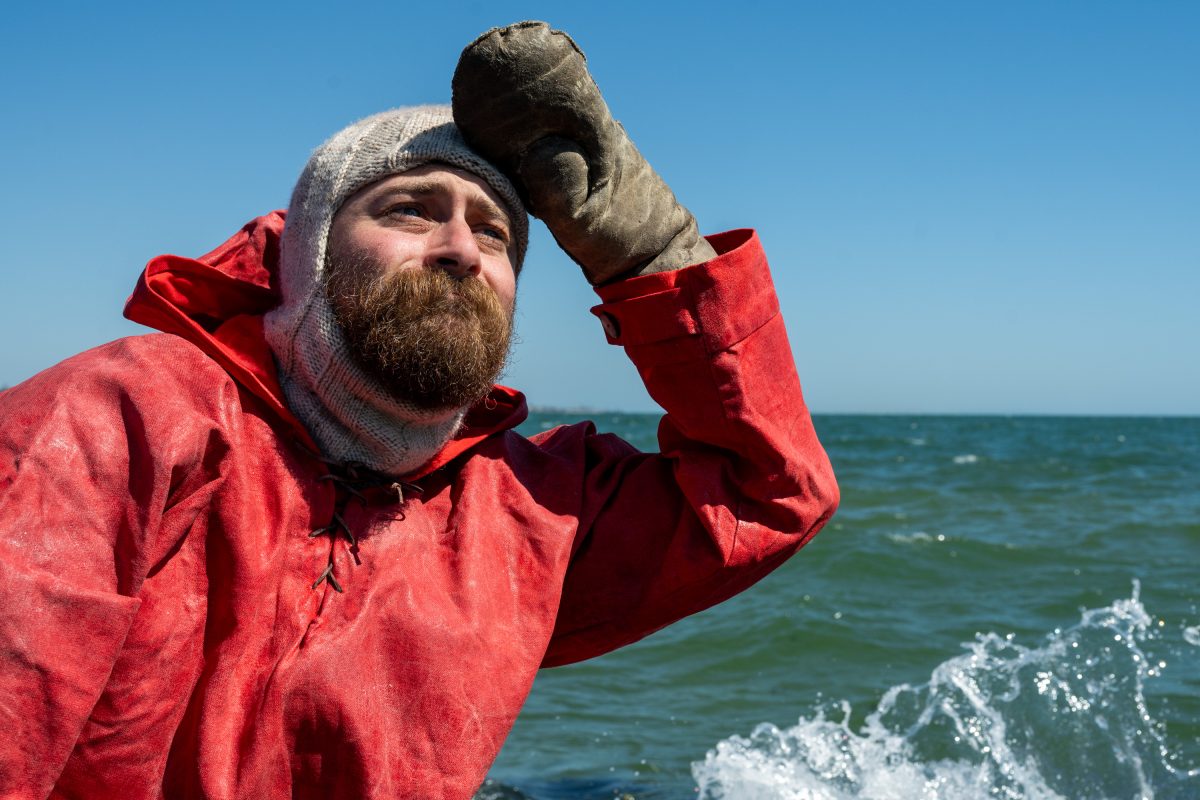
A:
(523, 99)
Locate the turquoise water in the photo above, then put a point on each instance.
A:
(1002, 608)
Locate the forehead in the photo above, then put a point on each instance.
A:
(433, 178)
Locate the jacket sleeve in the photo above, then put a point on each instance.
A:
(83, 496)
(741, 482)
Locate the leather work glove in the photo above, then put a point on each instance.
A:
(524, 100)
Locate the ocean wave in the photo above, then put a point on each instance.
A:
(1066, 719)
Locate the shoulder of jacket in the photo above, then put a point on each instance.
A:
(155, 388)
(157, 366)
(163, 352)
(580, 441)
(155, 345)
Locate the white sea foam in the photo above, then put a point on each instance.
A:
(916, 537)
(1063, 720)
(966, 458)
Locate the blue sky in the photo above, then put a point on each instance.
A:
(968, 207)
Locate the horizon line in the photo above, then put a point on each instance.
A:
(548, 409)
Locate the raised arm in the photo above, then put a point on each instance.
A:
(741, 481)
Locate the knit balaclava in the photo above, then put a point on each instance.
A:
(348, 413)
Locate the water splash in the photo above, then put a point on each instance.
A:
(1067, 719)
(1192, 635)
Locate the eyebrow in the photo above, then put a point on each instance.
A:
(430, 186)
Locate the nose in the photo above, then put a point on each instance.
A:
(453, 248)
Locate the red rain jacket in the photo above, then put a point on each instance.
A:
(160, 633)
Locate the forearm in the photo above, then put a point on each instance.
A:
(741, 482)
(710, 344)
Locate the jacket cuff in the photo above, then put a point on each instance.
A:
(714, 305)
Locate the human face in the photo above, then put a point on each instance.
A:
(433, 217)
(419, 279)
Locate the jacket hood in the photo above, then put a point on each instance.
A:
(217, 302)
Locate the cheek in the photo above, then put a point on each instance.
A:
(505, 288)
(387, 248)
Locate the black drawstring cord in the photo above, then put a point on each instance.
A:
(343, 483)
(350, 477)
(333, 527)
(327, 575)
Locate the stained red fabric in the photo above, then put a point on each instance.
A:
(159, 631)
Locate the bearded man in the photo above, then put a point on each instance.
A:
(292, 546)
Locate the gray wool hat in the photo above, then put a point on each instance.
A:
(371, 149)
(348, 413)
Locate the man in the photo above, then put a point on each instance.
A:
(294, 548)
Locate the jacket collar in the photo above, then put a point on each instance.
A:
(216, 302)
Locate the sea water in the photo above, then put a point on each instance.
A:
(1002, 608)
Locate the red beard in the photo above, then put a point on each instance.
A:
(428, 338)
